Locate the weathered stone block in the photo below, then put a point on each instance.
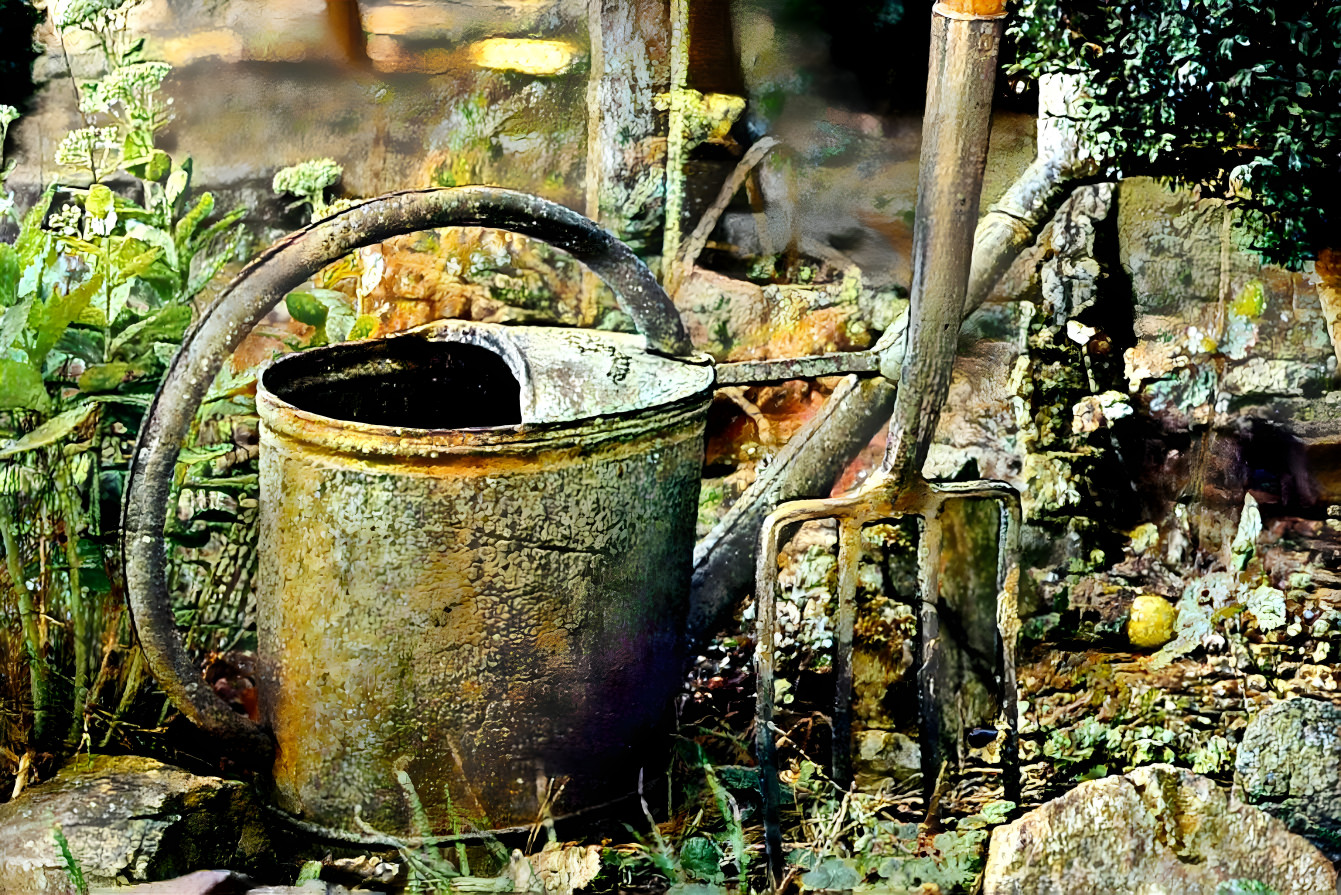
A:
(125, 819)
(1290, 764)
(1157, 829)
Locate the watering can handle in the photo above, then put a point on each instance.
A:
(248, 299)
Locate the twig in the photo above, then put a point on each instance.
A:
(685, 258)
(761, 423)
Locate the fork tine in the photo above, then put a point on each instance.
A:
(849, 553)
(930, 656)
(766, 627)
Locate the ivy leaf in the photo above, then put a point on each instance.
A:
(306, 308)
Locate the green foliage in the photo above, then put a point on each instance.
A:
(1243, 98)
(72, 865)
(95, 297)
(1244, 887)
(309, 181)
(884, 855)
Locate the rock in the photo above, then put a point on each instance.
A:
(125, 819)
(1156, 829)
(1151, 622)
(886, 757)
(1290, 764)
(202, 882)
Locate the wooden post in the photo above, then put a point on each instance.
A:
(626, 145)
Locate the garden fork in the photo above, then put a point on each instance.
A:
(965, 38)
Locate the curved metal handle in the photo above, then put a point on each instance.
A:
(249, 298)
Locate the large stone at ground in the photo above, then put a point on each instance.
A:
(125, 819)
(1290, 764)
(1156, 829)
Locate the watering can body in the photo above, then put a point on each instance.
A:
(479, 621)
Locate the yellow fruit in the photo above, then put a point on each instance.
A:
(1151, 622)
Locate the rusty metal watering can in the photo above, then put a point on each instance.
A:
(475, 540)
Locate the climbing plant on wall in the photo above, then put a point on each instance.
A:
(1240, 96)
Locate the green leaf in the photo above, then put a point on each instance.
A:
(137, 340)
(339, 314)
(832, 873)
(1244, 887)
(243, 483)
(306, 308)
(154, 236)
(34, 240)
(186, 227)
(160, 165)
(50, 432)
(21, 387)
(136, 151)
(194, 456)
(13, 323)
(218, 228)
(10, 272)
(363, 327)
(57, 315)
(98, 201)
(311, 870)
(700, 857)
(133, 258)
(104, 377)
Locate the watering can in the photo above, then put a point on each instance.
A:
(475, 540)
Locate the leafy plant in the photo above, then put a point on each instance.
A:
(308, 181)
(1243, 98)
(853, 844)
(95, 297)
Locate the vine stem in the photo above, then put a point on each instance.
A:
(39, 674)
(79, 613)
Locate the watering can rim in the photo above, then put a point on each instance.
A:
(542, 359)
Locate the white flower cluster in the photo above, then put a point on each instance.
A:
(68, 13)
(80, 147)
(131, 86)
(307, 178)
(66, 221)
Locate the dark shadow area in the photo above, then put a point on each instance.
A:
(407, 382)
